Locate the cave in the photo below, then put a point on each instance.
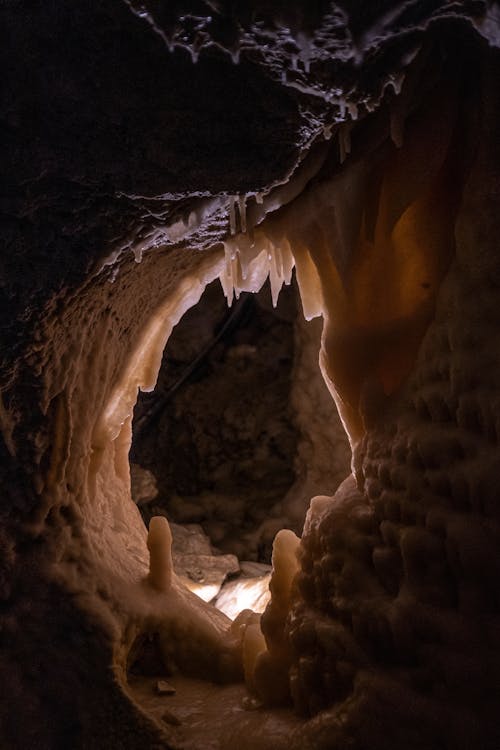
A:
(295, 206)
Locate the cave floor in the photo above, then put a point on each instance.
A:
(206, 715)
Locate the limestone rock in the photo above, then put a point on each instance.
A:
(197, 563)
(165, 688)
(142, 484)
(189, 539)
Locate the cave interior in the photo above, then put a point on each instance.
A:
(250, 375)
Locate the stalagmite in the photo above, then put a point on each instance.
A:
(267, 656)
(254, 645)
(160, 554)
(285, 567)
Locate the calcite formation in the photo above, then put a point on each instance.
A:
(150, 149)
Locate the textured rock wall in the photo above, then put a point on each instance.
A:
(323, 454)
(397, 604)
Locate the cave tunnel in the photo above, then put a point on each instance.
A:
(250, 300)
(239, 432)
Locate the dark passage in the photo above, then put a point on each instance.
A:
(217, 433)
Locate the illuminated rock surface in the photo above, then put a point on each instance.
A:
(150, 149)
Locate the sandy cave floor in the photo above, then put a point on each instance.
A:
(213, 716)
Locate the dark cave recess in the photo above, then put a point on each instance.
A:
(218, 432)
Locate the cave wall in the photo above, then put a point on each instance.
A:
(401, 571)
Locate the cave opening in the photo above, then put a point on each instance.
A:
(225, 446)
(251, 347)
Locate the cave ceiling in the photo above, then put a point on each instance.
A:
(119, 117)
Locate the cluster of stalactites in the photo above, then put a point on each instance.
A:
(370, 245)
(251, 260)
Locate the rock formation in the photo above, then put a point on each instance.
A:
(148, 149)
